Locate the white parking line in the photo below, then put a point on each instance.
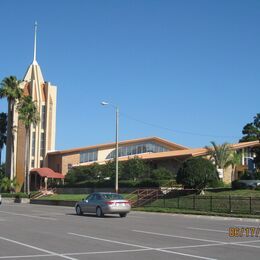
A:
(215, 243)
(23, 256)
(37, 248)
(188, 238)
(140, 246)
(29, 216)
(108, 252)
(205, 229)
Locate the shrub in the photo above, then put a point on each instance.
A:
(148, 183)
(216, 184)
(161, 174)
(196, 173)
(14, 195)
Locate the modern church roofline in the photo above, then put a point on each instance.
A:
(122, 143)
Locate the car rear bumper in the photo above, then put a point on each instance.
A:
(115, 210)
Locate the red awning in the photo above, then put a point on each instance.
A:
(47, 172)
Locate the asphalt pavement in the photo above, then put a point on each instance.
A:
(51, 232)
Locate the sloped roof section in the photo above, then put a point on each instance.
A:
(183, 153)
(47, 172)
(168, 144)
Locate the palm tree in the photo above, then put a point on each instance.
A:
(222, 156)
(9, 88)
(28, 114)
(3, 129)
(5, 184)
(236, 159)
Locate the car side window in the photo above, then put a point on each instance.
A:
(91, 197)
(98, 197)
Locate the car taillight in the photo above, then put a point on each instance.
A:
(109, 202)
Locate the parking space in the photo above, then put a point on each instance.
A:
(48, 232)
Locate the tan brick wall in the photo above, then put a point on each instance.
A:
(59, 163)
(72, 158)
(54, 162)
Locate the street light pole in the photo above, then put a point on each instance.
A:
(117, 133)
(117, 124)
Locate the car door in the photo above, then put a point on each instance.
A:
(85, 204)
(91, 205)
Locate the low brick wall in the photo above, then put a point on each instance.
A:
(54, 202)
(13, 200)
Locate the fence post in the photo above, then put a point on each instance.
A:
(193, 202)
(178, 202)
(230, 206)
(250, 205)
(211, 203)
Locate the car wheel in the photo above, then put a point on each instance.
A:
(79, 211)
(99, 212)
(122, 215)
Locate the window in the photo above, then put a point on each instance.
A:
(33, 144)
(42, 144)
(88, 156)
(32, 163)
(138, 149)
(43, 116)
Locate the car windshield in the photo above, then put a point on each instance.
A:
(112, 196)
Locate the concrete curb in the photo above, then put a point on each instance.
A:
(14, 200)
(54, 202)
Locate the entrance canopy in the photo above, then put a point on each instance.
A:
(47, 172)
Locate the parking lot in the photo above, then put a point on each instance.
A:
(50, 232)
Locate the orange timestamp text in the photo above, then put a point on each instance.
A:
(244, 231)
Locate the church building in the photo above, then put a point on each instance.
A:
(42, 136)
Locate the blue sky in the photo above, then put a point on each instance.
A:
(186, 71)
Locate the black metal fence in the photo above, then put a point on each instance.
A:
(227, 204)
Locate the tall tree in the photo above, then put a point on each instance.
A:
(28, 114)
(251, 132)
(9, 89)
(222, 156)
(3, 129)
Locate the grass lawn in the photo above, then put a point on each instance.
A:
(244, 193)
(233, 201)
(69, 197)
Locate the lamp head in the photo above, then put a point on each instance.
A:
(103, 103)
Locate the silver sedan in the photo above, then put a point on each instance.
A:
(102, 203)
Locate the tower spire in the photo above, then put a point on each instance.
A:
(35, 43)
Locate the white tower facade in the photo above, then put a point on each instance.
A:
(42, 136)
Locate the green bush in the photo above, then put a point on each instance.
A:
(14, 195)
(197, 173)
(148, 183)
(250, 176)
(162, 174)
(216, 184)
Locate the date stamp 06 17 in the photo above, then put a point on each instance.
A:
(244, 232)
